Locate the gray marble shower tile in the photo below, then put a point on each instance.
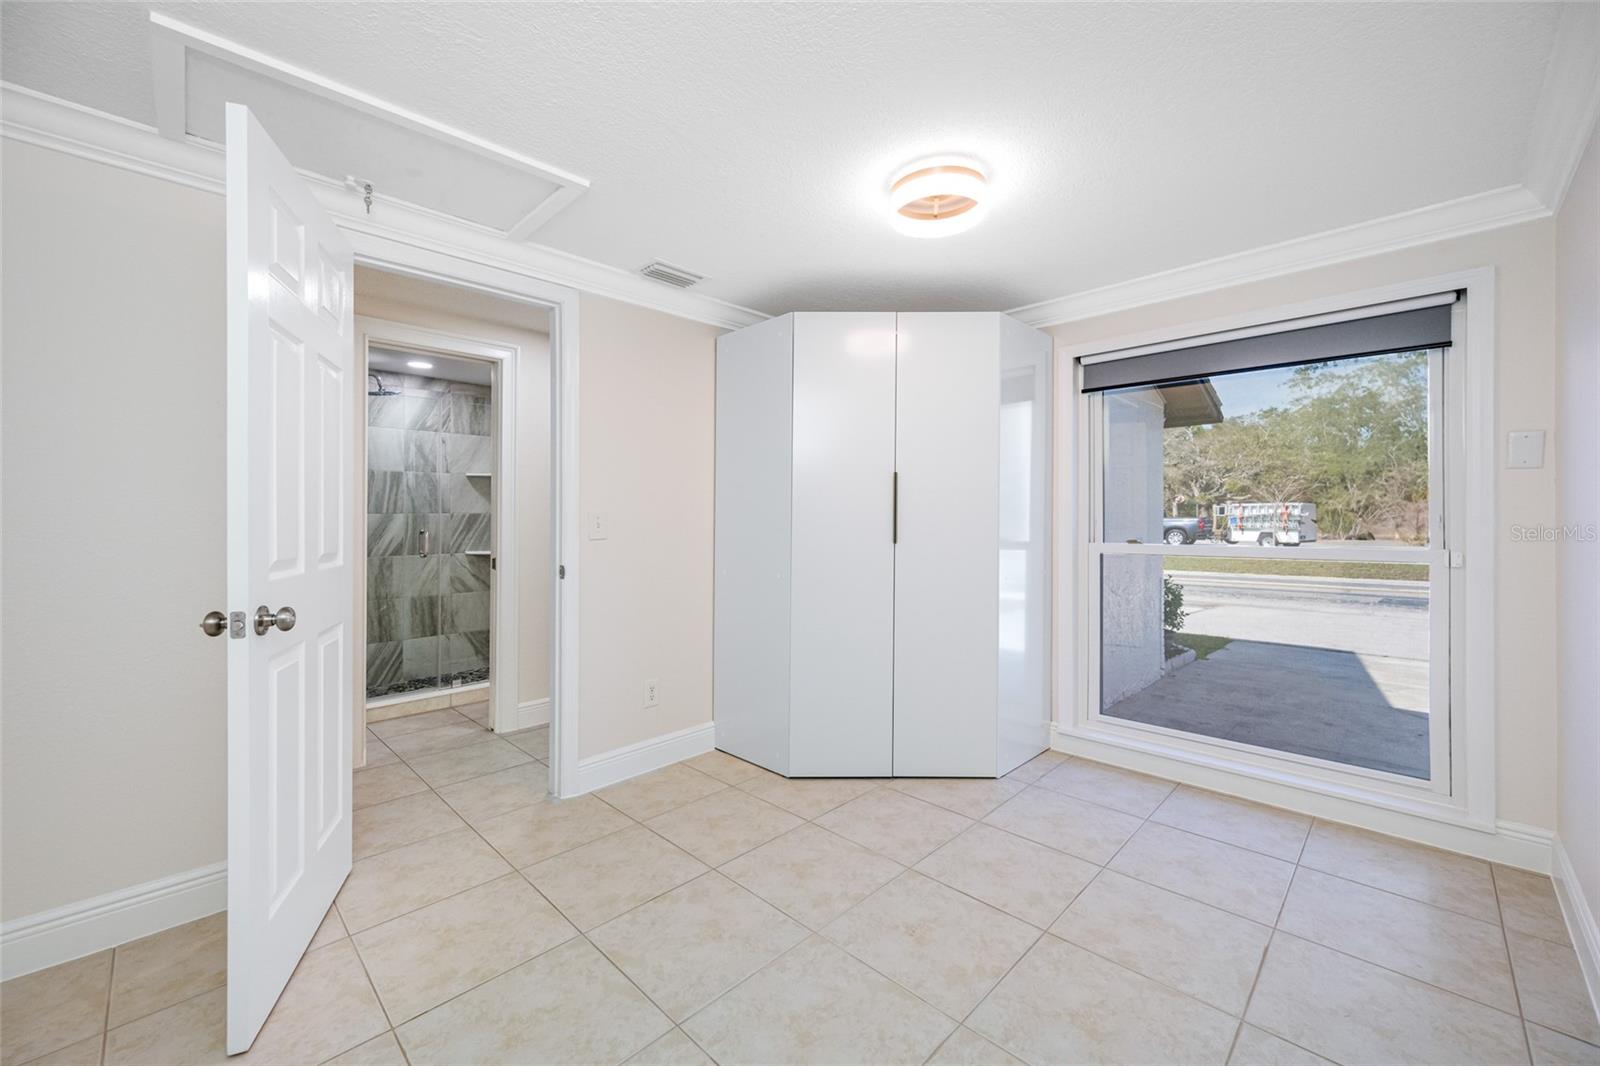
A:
(381, 574)
(466, 651)
(384, 622)
(415, 575)
(465, 454)
(469, 414)
(466, 532)
(420, 657)
(422, 616)
(385, 492)
(468, 573)
(429, 413)
(388, 412)
(466, 388)
(464, 494)
(383, 664)
(388, 534)
(466, 612)
(420, 493)
(386, 449)
(421, 451)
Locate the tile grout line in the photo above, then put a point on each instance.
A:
(1511, 967)
(111, 984)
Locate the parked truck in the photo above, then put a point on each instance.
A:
(1176, 529)
(1266, 524)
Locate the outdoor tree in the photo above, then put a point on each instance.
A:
(1351, 437)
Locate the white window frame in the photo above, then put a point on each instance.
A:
(1462, 479)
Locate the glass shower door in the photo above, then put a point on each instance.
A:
(430, 457)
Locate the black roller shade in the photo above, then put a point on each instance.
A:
(1402, 331)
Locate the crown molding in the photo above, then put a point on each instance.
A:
(1424, 225)
(30, 117)
(1569, 105)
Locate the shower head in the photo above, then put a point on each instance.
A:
(380, 390)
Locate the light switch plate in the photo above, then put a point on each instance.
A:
(595, 522)
(1525, 449)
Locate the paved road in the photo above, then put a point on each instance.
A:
(1386, 618)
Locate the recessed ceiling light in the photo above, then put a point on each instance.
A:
(938, 197)
(419, 364)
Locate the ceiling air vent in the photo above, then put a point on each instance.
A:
(668, 274)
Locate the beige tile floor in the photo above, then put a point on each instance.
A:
(712, 911)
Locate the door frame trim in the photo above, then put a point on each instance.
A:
(447, 266)
(506, 570)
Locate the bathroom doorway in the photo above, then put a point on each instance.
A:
(456, 482)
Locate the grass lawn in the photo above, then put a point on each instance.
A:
(1202, 646)
(1296, 567)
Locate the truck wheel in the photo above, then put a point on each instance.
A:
(1267, 540)
(1176, 537)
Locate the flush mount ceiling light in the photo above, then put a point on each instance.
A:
(938, 197)
(419, 364)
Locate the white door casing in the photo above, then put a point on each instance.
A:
(290, 356)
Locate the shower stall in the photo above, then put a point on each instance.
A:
(430, 499)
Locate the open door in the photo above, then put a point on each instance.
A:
(290, 360)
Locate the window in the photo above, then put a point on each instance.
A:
(1268, 568)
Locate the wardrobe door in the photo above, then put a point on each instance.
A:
(841, 653)
(946, 565)
(750, 621)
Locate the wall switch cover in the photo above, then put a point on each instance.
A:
(1525, 449)
(595, 522)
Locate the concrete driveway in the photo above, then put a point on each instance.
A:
(1336, 669)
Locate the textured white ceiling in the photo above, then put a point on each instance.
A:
(751, 142)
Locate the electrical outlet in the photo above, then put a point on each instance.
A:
(652, 693)
(595, 522)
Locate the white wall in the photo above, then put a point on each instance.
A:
(418, 303)
(1525, 587)
(647, 421)
(114, 736)
(1577, 457)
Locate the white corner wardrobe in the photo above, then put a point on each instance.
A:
(882, 544)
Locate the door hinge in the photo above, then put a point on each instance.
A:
(561, 572)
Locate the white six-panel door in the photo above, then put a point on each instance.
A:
(290, 361)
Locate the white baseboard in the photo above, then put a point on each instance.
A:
(1581, 924)
(79, 929)
(619, 764)
(1509, 843)
(529, 714)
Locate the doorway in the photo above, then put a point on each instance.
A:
(454, 463)
(431, 494)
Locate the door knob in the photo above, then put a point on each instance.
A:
(214, 624)
(266, 618)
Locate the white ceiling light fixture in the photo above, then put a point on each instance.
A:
(938, 197)
(419, 364)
